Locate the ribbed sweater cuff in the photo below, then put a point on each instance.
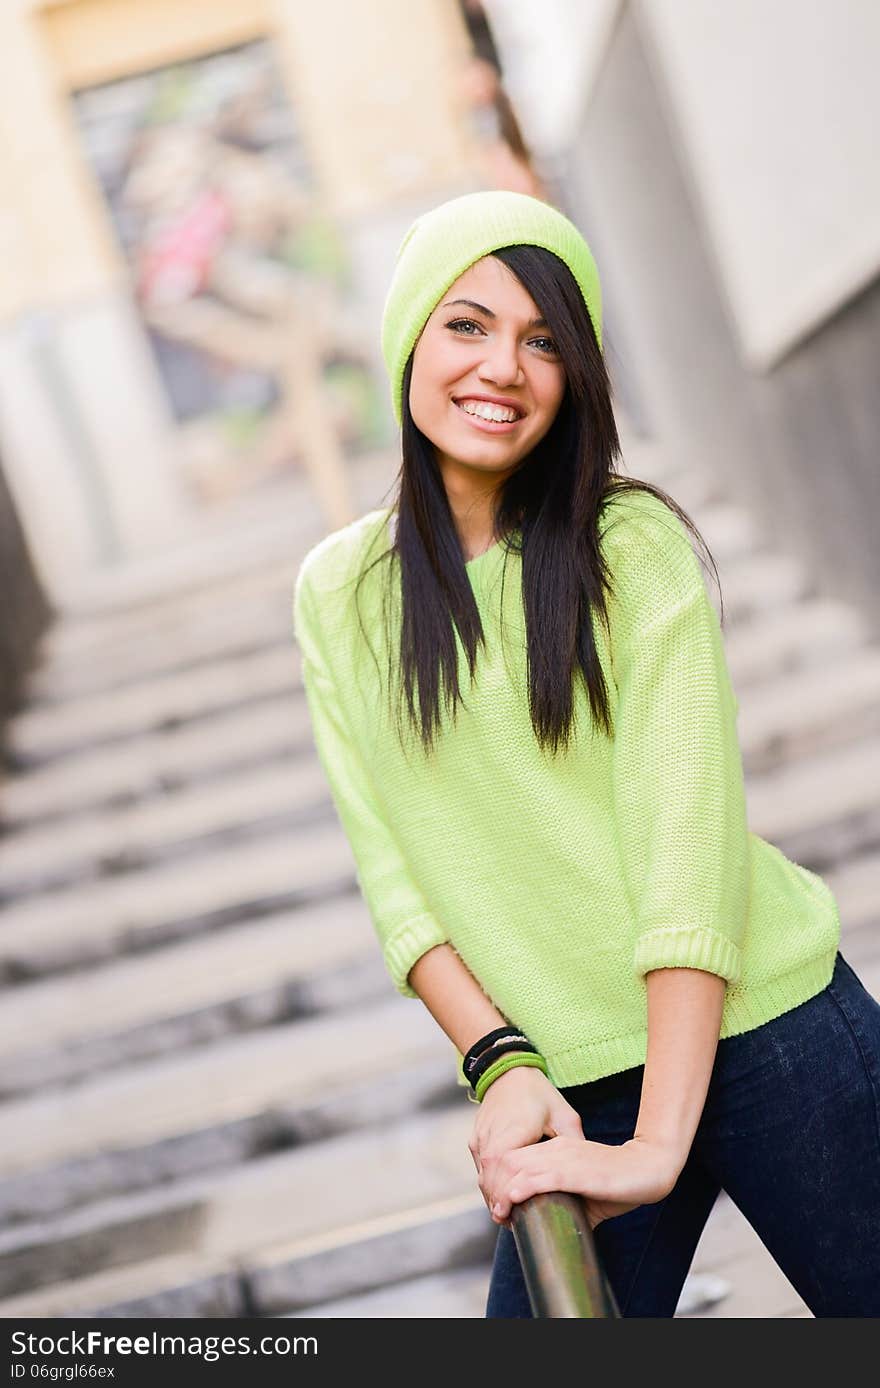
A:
(407, 945)
(688, 947)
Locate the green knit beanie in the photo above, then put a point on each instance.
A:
(441, 244)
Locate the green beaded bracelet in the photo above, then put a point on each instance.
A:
(501, 1066)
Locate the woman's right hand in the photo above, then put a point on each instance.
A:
(518, 1108)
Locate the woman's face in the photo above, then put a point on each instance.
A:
(471, 353)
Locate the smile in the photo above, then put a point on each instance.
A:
(488, 425)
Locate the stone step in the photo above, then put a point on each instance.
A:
(795, 713)
(234, 554)
(823, 807)
(281, 1002)
(794, 638)
(856, 887)
(151, 906)
(106, 643)
(36, 735)
(43, 731)
(443, 1251)
(802, 712)
(435, 1241)
(760, 583)
(778, 722)
(463, 1293)
(91, 1147)
(455, 1295)
(397, 1092)
(291, 1195)
(152, 763)
(861, 950)
(243, 631)
(701, 1290)
(292, 1065)
(292, 964)
(253, 975)
(109, 611)
(757, 1285)
(166, 1282)
(157, 763)
(238, 619)
(728, 530)
(106, 843)
(438, 1237)
(645, 459)
(192, 1280)
(280, 521)
(759, 1289)
(168, 699)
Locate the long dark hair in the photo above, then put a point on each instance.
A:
(554, 499)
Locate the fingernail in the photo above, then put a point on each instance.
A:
(496, 1209)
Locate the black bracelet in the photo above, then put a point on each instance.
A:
(486, 1042)
(490, 1056)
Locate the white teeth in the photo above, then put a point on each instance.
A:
(499, 413)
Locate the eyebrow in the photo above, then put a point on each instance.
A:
(481, 308)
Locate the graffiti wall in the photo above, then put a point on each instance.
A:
(232, 259)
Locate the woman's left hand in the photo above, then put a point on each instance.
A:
(611, 1179)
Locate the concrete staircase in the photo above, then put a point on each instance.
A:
(214, 1102)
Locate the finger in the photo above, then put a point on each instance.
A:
(528, 1183)
(569, 1125)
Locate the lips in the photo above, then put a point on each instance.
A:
(488, 426)
(491, 400)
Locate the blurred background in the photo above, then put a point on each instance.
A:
(215, 1103)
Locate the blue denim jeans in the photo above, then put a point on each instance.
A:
(790, 1130)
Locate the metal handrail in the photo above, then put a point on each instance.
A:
(559, 1260)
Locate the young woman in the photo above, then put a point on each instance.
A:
(519, 694)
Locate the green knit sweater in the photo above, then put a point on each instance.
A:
(561, 882)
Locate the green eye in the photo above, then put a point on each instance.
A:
(458, 323)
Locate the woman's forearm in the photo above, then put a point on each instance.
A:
(454, 997)
(684, 1022)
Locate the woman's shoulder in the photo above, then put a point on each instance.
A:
(337, 559)
(327, 578)
(630, 515)
(649, 552)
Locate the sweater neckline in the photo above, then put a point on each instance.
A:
(478, 559)
(472, 566)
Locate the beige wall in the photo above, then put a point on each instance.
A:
(373, 85)
(379, 112)
(55, 233)
(82, 413)
(93, 41)
(777, 108)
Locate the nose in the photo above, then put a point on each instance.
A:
(501, 364)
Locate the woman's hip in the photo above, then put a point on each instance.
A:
(774, 1075)
(802, 1062)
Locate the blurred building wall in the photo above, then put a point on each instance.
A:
(721, 160)
(26, 610)
(83, 414)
